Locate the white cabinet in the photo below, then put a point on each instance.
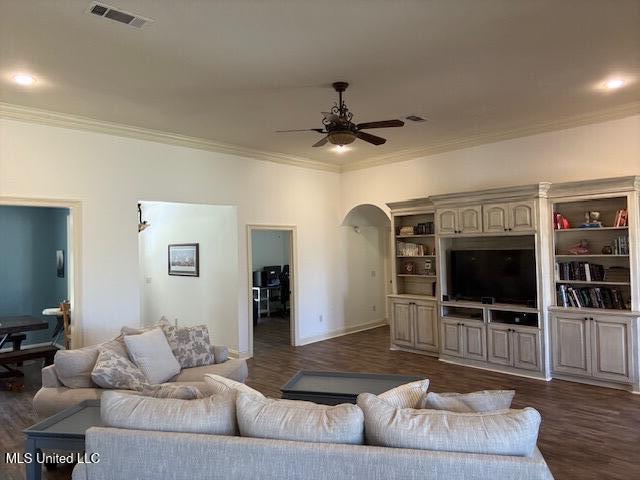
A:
(459, 220)
(464, 338)
(414, 324)
(598, 346)
(514, 346)
(509, 217)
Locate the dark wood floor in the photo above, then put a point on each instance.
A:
(587, 432)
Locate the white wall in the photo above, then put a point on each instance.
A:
(602, 150)
(109, 174)
(270, 247)
(190, 300)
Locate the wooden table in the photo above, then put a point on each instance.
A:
(12, 330)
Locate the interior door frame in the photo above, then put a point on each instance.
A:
(73, 255)
(293, 279)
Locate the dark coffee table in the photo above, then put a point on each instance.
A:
(333, 388)
(63, 431)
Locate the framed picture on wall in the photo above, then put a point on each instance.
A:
(184, 259)
(60, 263)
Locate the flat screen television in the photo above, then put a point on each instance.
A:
(509, 276)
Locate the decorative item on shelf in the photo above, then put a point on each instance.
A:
(560, 222)
(592, 220)
(580, 248)
(409, 268)
(622, 218)
(409, 230)
(607, 250)
(428, 267)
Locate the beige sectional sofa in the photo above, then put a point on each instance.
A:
(54, 396)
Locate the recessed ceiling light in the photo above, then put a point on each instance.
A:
(614, 83)
(24, 79)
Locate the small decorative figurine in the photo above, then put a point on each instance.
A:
(607, 250)
(409, 268)
(580, 248)
(592, 220)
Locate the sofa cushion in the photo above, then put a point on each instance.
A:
(232, 368)
(150, 351)
(297, 420)
(503, 432)
(74, 366)
(483, 401)
(219, 384)
(113, 370)
(190, 345)
(171, 390)
(214, 415)
(407, 395)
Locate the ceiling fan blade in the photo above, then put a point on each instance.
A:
(319, 130)
(381, 124)
(367, 137)
(321, 142)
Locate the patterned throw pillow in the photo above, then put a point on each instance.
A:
(113, 370)
(190, 345)
(168, 390)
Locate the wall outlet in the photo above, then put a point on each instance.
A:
(320, 319)
(373, 273)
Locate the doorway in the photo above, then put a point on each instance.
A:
(272, 293)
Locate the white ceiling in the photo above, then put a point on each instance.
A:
(235, 71)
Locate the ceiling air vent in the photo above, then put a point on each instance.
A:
(112, 13)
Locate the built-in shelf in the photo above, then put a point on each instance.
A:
(584, 282)
(494, 306)
(603, 255)
(600, 229)
(416, 256)
(416, 236)
(415, 275)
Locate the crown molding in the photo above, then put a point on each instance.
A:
(615, 113)
(65, 120)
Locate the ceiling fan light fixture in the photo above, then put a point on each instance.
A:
(341, 138)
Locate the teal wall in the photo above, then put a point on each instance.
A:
(29, 238)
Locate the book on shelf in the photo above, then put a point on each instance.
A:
(621, 245)
(582, 271)
(590, 297)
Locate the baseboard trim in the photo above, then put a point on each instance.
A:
(540, 377)
(342, 331)
(233, 353)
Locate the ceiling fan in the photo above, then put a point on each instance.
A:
(340, 130)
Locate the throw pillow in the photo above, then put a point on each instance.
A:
(190, 345)
(169, 390)
(152, 354)
(503, 432)
(214, 415)
(299, 421)
(483, 401)
(113, 370)
(407, 395)
(74, 366)
(219, 384)
(138, 330)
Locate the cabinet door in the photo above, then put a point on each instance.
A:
(526, 349)
(447, 221)
(451, 344)
(496, 217)
(401, 323)
(522, 216)
(499, 345)
(571, 344)
(426, 326)
(474, 339)
(470, 219)
(611, 349)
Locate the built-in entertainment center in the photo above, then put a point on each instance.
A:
(538, 280)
